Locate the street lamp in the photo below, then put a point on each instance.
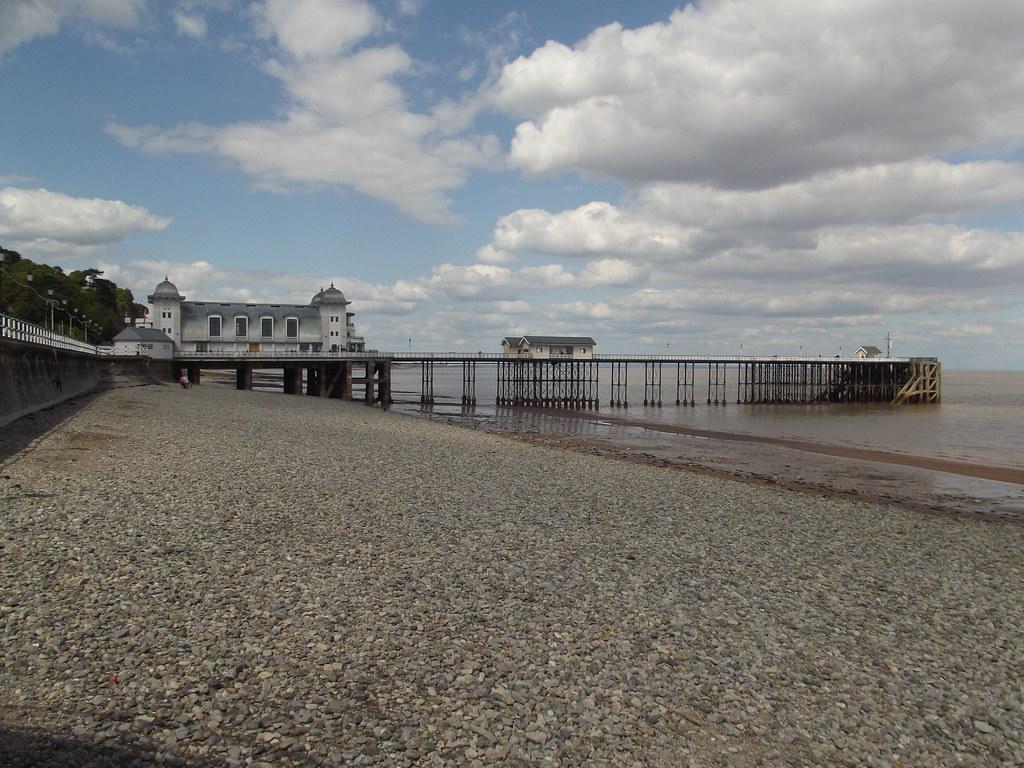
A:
(51, 301)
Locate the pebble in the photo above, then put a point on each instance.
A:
(246, 578)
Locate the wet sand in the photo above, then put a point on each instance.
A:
(919, 482)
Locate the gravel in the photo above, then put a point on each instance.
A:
(243, 578)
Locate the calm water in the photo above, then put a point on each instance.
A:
(980, 419)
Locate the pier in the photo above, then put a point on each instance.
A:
(564, 382)
(353, 376)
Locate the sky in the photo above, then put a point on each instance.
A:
(721, 177)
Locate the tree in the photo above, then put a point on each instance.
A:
(27, 288)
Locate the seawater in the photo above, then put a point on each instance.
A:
(980, 419)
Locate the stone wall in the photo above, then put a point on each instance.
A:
(34, 377)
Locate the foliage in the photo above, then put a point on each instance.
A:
(31, 291)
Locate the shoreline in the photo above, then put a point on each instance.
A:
(926, 484)
(966, 469)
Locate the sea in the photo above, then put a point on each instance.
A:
(963, 455)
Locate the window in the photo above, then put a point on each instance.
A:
(215, 327)
(267, 327)
(291, 327)
(202, 346)
(241, 326)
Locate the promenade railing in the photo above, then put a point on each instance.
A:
(20, 330)
(500, 356)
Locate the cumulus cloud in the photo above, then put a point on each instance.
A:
(749, 94)
(597, 228)
(41, 220)
(23, 20)
(315, 29)
(190, 24)
(348, 123)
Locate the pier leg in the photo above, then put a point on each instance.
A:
(292, 382)
(371, 373)
(384, 383)
(243, 376)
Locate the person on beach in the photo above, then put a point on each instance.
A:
(185, 383)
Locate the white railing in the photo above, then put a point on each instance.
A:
(245, 354)
(30, 333)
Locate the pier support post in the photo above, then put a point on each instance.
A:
(243, 376)
(368, 394)
(384, 383)
(292, 380)
(321, 380)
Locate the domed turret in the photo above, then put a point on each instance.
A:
(166, 290)
(167, 304)
(331, 296)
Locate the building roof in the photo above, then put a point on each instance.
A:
(871, 350)
(199, 310)
(566, 340)
(330, 296)
(149, 335)
(166, 290)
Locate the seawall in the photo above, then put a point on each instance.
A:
(34, 377)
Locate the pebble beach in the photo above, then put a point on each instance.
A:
(214, 577)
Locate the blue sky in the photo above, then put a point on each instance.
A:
(754, 172)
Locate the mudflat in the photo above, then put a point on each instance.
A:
(253, 578)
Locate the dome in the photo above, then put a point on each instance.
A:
(166, 290)
(331, 296)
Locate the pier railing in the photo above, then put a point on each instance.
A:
(30, 333)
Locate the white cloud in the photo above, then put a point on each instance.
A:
(348, 123)
(612, 272)
(190, 24)
(23, 20)
(967, 331)
(37, 219)
(878, 194)
(315, 29)
(597, 228)
(409, 7)
(754, 93)
(489, 254)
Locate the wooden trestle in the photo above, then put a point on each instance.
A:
(323, 377)
(548, 383)
(575, 383)
(566, 383)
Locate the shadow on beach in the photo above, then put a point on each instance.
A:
(19, 434)
(31, 748)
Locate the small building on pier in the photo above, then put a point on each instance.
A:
(868, 351)
(323, 325)
(549, 347)
(147, 342)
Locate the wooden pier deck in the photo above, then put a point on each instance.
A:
(562, 382)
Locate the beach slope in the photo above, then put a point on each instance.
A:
(243, 577)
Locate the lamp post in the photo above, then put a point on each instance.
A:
(52, 302)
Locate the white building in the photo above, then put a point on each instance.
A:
(147, 342)
(868, 351)
(323, 325)
(546, 347)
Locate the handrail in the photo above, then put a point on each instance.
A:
(502, 357)
(24, 331)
